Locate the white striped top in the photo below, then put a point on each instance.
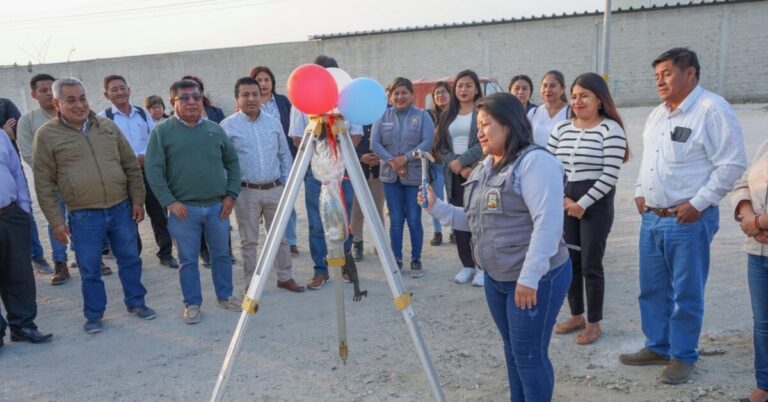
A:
(590, 154)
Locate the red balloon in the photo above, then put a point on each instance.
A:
(312, 89)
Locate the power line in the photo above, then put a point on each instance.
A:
(136, 13)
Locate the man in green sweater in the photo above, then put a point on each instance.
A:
(192, 168)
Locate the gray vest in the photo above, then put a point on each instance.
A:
(500, 222)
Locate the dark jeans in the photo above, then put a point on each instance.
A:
(757, 273)
(159, 219)
(90, 229)
(17, 283)
(586, 239)
(526, 333)
(403, 206)
(463, 239)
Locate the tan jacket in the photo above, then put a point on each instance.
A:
(753, 186)
(95, 169)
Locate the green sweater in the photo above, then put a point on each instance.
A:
(194, 165)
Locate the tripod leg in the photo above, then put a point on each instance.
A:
(335, 264)
(391, 271)
(266, 260)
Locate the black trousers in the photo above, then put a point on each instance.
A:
(586, 239)
(17, 283)
(463, 239)
(159, 219)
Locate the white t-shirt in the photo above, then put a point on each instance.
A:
(542, 124)
(459, 131)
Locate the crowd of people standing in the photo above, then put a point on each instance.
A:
(529, 194)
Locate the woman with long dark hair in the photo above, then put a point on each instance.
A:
(554, 109)
(402, 130)
(279, 107)
(592, 147)
(458, 148)
(522, 87)
(514, 210)
(441, 95)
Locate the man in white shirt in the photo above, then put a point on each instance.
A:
(136, 124)
(317, 246)
(693, 153)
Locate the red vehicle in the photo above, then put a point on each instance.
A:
(422, 89)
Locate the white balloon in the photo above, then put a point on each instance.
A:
(341, 77)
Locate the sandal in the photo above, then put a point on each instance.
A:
(583, 338)
(568, 326)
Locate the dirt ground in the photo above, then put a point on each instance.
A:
(290, 349)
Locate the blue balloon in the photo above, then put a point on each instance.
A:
(362, 101)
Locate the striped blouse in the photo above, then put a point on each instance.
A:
(590, 154)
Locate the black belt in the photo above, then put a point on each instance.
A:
(265, 186)
(7, 208)
(662, 212)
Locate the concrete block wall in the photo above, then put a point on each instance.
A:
(729, 37)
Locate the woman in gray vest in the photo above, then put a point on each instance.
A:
(514, 210)
(402, 130)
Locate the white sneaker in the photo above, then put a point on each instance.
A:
(464, 276)
(479, 279)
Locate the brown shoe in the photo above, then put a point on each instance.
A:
(317, 282)
(572, 324)
(105, 270)
(645, 357)
(677, 372)
(291, 285)
(61, 274)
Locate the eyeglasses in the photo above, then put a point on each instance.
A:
(185, 97)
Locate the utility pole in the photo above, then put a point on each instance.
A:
(606, 39)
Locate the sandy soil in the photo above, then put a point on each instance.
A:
(290, 350)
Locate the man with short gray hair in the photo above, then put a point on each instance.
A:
(93, 167)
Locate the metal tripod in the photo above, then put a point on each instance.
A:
(402, 299)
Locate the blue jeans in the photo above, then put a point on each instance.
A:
(438, 185)
(674, 264)
(403, 206)
(757, 272)
(89, 228)
(187, 235)
(526, 333)
(58, 250)
(290, 229)
(317, 247)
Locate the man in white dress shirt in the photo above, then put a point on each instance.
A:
(693, 152)
(136, 124)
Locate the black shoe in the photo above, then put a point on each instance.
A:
(2, 343)
(294, 250)
(437, 239)
(452, 239)
(400, 265)
(169, 262)
(29, 334)
(416, 271)
(357, 250)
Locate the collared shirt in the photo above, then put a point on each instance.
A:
(270, 108)
(694, 153)
(134, 128)
(83, 129)
(261, 147)
(25, 131)
(13, 184)
(200, 121)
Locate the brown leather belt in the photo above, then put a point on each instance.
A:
(662, 212)
(265, 186)
(7, 208)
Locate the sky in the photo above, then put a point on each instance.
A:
(51, 31)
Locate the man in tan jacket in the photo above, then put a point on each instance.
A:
(92, 165)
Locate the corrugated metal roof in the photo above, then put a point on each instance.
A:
(522, 19)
